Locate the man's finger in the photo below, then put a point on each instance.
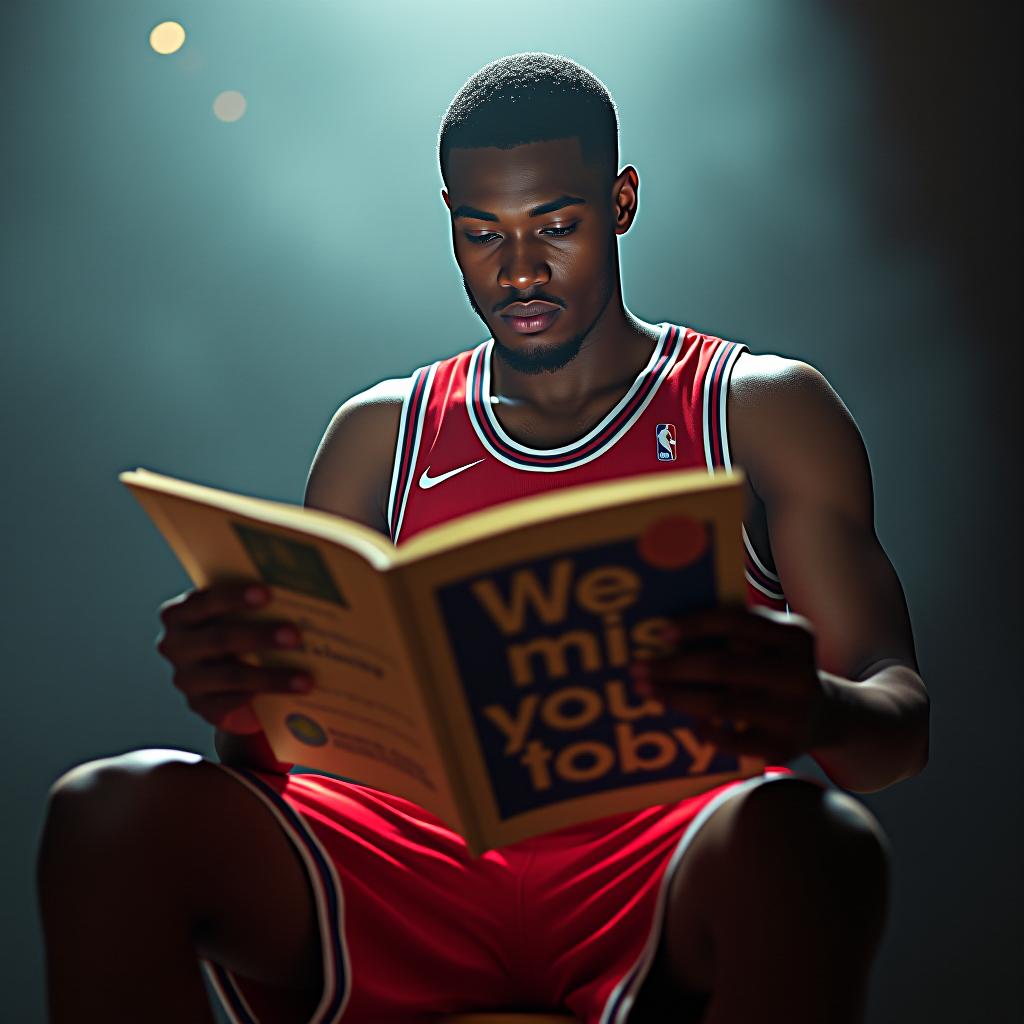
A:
(721, 666)
(764, 625)
(225, 638)
(196, 606)
(233, 677)
(758, 711)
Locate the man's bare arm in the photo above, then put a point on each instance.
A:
(351, 471)
(805, 459)
(349, 476)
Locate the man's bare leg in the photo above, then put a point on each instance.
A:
(775, 913)
(154, 858)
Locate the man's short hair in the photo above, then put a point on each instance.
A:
(533, 97)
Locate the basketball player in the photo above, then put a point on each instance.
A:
(308, 898)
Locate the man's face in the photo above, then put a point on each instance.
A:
(515, 247)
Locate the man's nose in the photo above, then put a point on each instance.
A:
(523, 268)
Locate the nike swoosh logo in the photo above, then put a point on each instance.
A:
(427, 481)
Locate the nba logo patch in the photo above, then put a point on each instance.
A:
(665, 434)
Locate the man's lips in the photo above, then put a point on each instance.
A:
(532, 324)
(528, 309)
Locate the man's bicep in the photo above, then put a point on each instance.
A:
(351, 469)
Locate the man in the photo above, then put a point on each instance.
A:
(311, 898)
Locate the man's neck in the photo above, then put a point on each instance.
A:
(615, 350)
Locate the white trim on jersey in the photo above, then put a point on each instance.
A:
(397, 458)
(303, 839)
(480, 362)
(737, 350)
(591, 434)
(226, 999)
(776, 594)
(415, 446)
(757, 561)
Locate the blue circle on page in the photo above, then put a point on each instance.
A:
(305, 730)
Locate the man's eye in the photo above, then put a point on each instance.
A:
(555, 233)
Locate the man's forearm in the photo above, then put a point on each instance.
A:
(881, 724)
(249, 751)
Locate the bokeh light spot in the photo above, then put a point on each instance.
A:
(167, 37)
(229, 106)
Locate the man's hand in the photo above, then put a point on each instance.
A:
(754, 667)
(206, 639)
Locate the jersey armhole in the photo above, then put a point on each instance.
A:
(715, 393)
(410, 430)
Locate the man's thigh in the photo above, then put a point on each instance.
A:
(180, 823)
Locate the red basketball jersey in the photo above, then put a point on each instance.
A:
(453, 457)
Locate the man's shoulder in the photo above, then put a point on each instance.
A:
(385, 392)
(369, 418)
(786, 421)
(767, 375)
(352, 469)
(768, 388)
(352, 466)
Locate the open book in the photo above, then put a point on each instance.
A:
(481, 668)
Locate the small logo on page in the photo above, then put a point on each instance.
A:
(306, 730)
(666, 438)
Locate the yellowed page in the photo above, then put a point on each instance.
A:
(535, 680)
(374, 548)
(365, 719)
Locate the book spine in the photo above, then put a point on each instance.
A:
(455, 771)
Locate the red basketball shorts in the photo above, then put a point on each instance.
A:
(413, 927)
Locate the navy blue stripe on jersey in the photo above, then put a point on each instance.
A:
(757, 579)
(718, 455)
(408, 445)
(716, 385)
(232, 1000)
(398, 461)
(329, 909)
(758, 574)
(589, 447)
(753, 558)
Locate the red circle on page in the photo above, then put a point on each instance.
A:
(672, 542)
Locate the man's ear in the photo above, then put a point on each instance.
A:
(625, 199)
(447, 202)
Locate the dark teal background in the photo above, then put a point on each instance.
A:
(832, 182)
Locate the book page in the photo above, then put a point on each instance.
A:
(365, 719)
(531, 643)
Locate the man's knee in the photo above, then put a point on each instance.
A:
(99, 775)
(796, 832)
(787, 849)
(104, 802)
(174, 831)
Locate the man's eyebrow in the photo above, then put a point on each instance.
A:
(537, 211)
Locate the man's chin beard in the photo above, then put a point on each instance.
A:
(539, 358)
